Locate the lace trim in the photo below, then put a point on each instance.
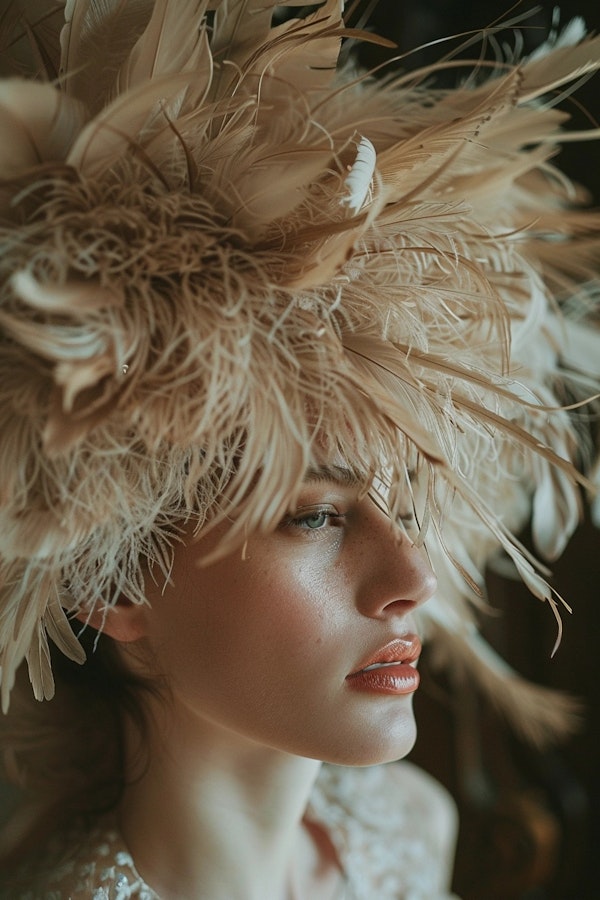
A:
(392, 826)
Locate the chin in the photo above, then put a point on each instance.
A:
(375, 748)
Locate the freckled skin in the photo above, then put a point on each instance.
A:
(261, 646)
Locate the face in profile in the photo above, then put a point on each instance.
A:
(303, 642)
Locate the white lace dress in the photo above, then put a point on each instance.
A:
(393, 827)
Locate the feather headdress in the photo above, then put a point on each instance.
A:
(220, 253)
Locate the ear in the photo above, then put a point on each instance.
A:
(124, 622)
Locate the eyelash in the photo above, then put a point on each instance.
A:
(301, 520)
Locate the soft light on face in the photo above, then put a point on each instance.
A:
(261, 644)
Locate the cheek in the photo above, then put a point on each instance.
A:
(296, 606)
(263, 626)
(268, 624)
(273, 619)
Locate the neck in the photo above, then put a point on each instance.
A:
(216, 815)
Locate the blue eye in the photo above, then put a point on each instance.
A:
(314, 519)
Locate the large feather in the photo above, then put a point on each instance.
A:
(37, 123)
(116, 130)
(173, 41)
(96, 38)
(241, 27)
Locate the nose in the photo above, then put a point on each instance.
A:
(396, 576)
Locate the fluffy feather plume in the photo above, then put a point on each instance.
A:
(219, 253)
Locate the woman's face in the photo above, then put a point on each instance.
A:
(266, 644)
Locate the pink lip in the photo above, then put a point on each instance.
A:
(395, 672)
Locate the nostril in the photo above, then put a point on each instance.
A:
(400, 607)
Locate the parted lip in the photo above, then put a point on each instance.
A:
(405, 649)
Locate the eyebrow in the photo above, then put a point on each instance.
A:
(337, 474)
(345, 477)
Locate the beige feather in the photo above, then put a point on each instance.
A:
(37, 124)
(544, 74)
(50, 298)
(173, 41)
(290, 50)
(97, 36)
(115, 131)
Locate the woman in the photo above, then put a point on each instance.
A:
(278, 342)
(268, 664)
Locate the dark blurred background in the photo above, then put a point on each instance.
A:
(530, 820)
